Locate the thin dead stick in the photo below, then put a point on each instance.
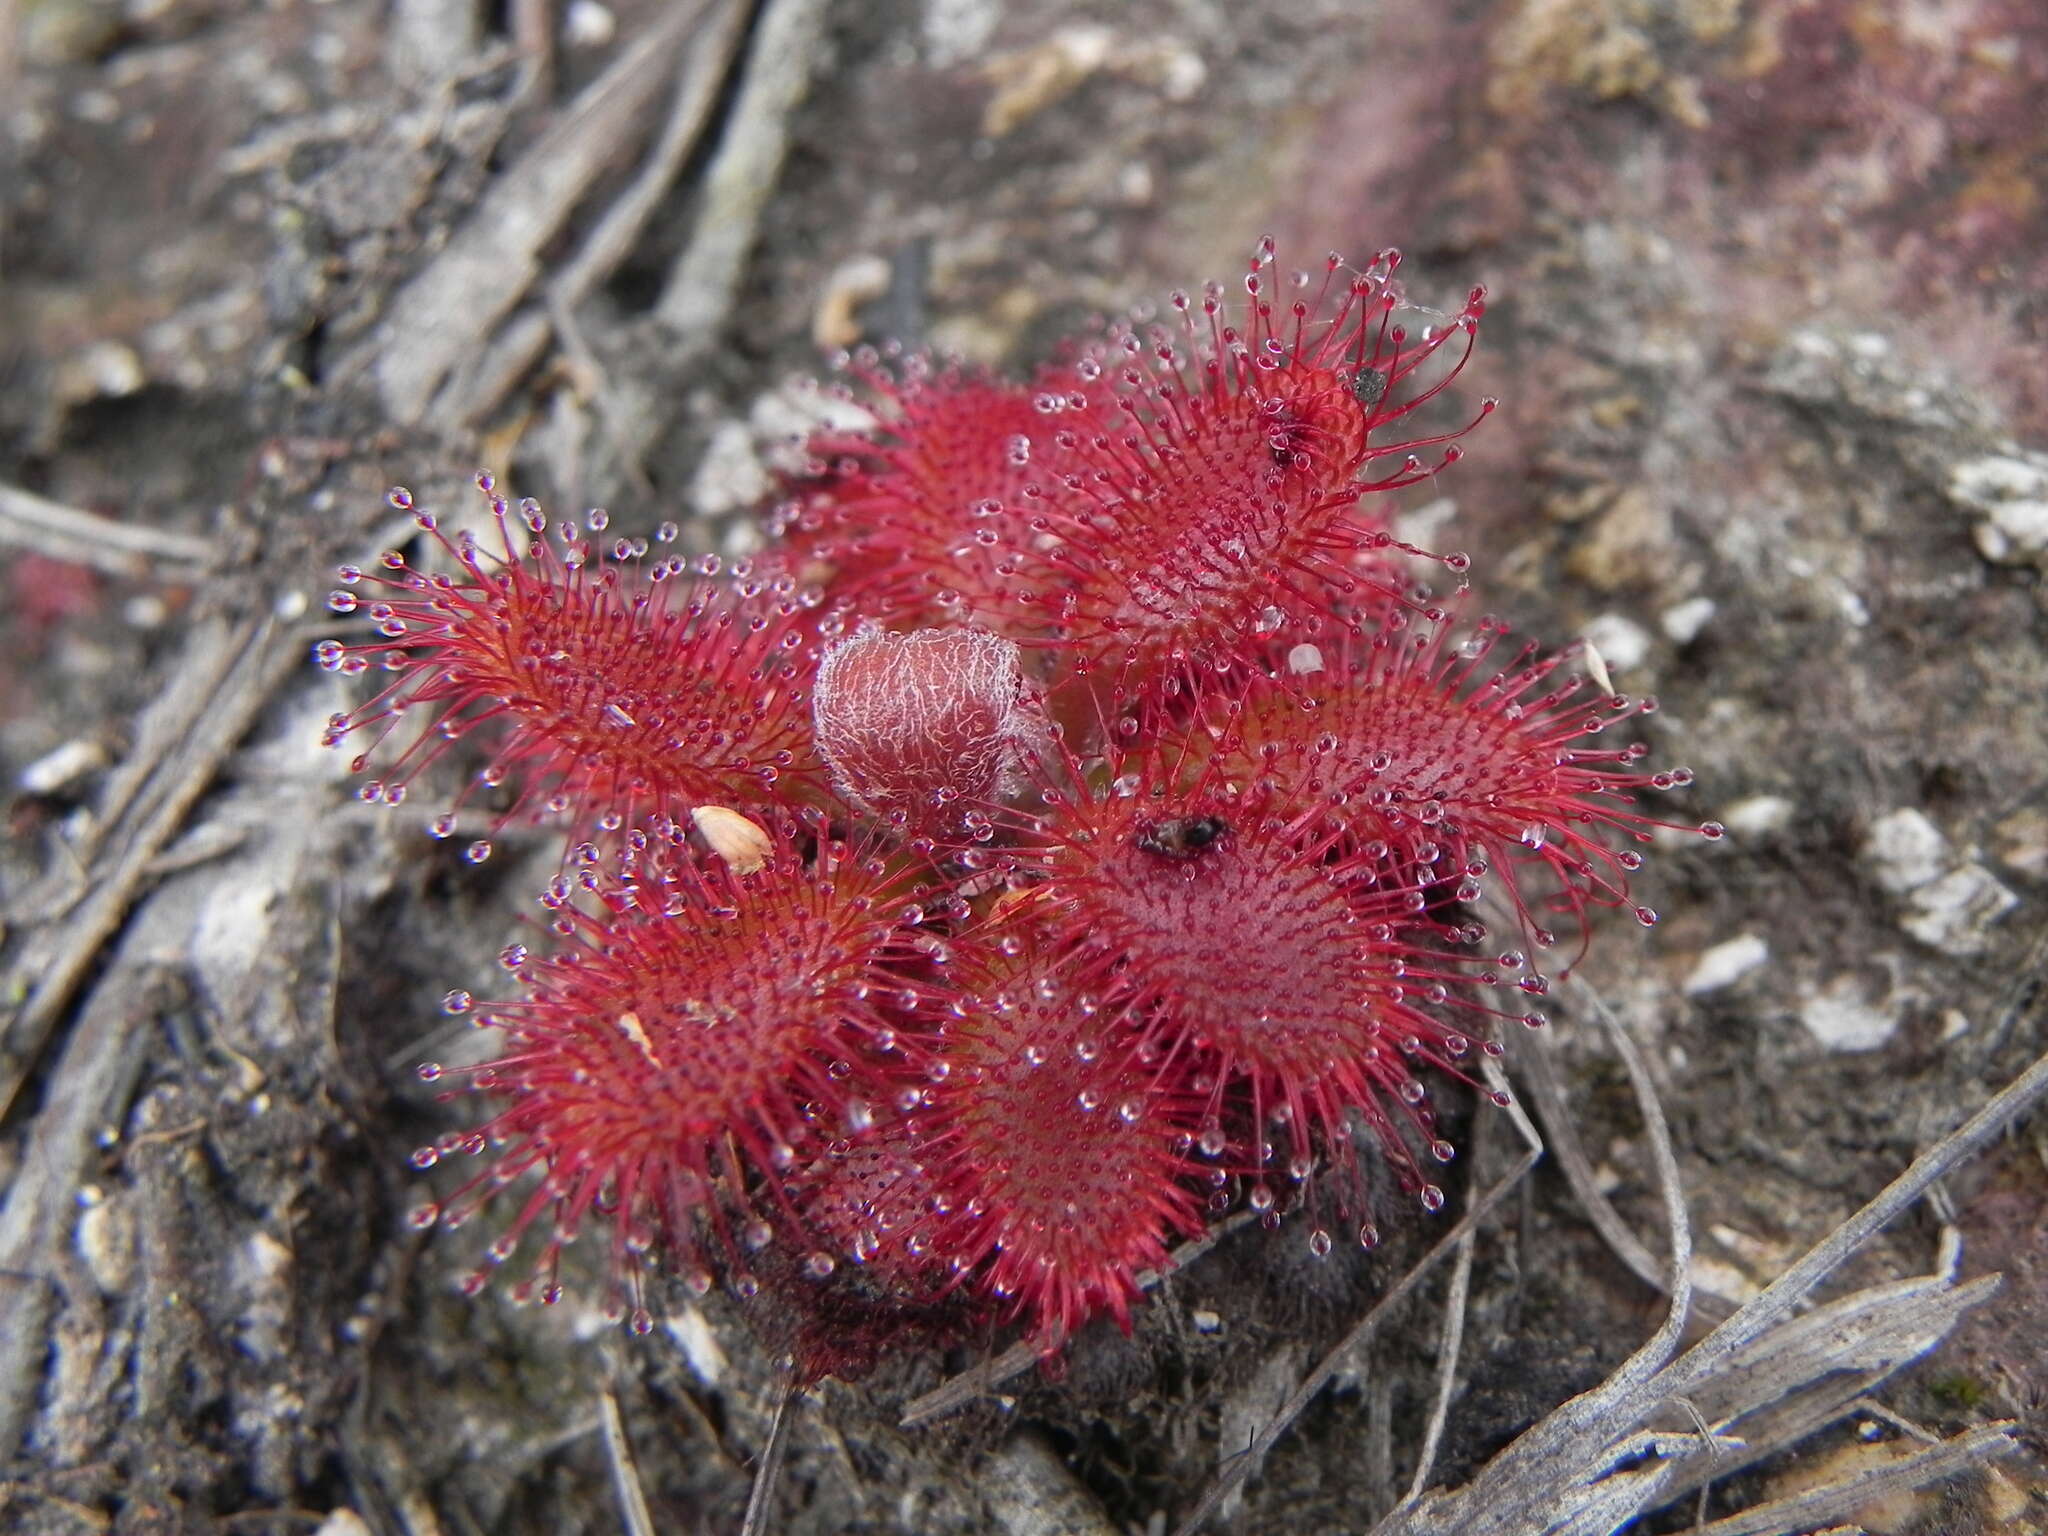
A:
(1819, 1369)
(1539, 1074)
(93, 1078)
(742, 176)
(475, 392)
(703, 69)
(769, 1472)
(1029, 1490)
(494, 259)
(1840, 1500)
(625, 1475)
(1590, 1468)
(160, 736)
(248, 668)
(533, 33)
(1540, 1077)
(977, 1380)
(29, 521)
(1448, 1347)
(1599, 1406)
(1267, 1438)
(1654, 1353)
(1783, 1294)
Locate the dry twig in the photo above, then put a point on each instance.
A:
(477, 390)
(625, 1475)
(227, 674)
(1841, 1499)
(743, 174)
(443, 314)
(1597, 1462)
(1539, 1075)
(29, 521)
(1030, 1491)
(1448, 1346)
(761, 1500)
(93, 1078)
(1233, 1475)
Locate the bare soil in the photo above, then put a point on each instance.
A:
(1770, 294)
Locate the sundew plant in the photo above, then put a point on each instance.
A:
(1084, 819)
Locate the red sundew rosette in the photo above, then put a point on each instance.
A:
(681, 1054)
(608, 689)
(1311, 982)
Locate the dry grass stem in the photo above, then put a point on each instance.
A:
(1448, 1346)
(761, 1500)
(742, 175)
(625, 1475)
(446, 310)
(228, 673)
(1538, 1075)
(1761, 1381)
(29, 521)
(1213, 1497)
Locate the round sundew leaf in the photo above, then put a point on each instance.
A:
(1305, 975)
(1054, 1151)
(664, 1067)
(920, 523)
(1217, 473)
(604, 691)
(1424, 737)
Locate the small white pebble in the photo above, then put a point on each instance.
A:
(587, 24)
(1758, 816)
(1842, 1019)
(96, 107)
(65, 765)
(1722, 1279)
(1751, 1250)
(1904, 850)
(1425, 525)
(1954, 914)
(2011, 490)
(145, 611)
(1725, 964)
(1205, 1321)
(1682, 622)
(730, 475)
